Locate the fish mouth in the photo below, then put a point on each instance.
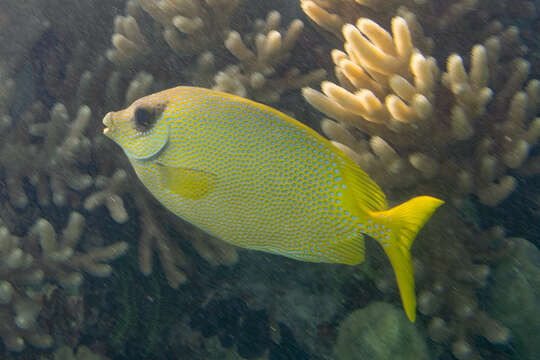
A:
(109, 125)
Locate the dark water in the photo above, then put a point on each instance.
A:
(92, 265)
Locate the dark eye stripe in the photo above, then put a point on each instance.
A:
(144, 118)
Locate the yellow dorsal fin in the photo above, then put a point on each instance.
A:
(368, 195)
(401, 225)
(186, 182)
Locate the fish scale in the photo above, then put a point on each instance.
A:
(257, 178)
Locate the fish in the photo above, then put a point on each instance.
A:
(257, 178)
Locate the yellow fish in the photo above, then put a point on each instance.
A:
(257, 178)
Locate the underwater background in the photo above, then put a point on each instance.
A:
(432, 97)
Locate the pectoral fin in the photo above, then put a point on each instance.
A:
(186, 182)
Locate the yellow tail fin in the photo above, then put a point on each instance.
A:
(401, 225)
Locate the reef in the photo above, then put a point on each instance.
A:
(398, 114)
(468, 129)
(259, 68)
(443, 20)
(432, 97)
(53, 162)
(514, 293)
(70, 170)
(33, 265)
(453, 266)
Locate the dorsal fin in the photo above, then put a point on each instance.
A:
(367, 193)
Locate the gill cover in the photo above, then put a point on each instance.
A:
(147, 145)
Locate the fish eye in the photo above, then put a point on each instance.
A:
(144, 118)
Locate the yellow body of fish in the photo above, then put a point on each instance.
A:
(257, 178)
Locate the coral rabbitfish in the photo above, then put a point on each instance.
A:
(257, 178)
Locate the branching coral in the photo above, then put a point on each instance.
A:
(331, 15)
(71, 162)
(173, 260)
(154, 236)
(108, 194)
(189, 26)
(255, 76)
(56, 160)
(62, 149)
(128, 41)
(202, 28)
(423, 125)
(56, 141)
(37, 261)
(438, 17)
(449, 296)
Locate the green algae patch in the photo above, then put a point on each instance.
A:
(379, 331)
(514, 295)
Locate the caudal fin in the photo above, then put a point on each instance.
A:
(402, 223)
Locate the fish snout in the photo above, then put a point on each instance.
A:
(109, 124)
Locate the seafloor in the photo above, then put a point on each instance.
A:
(435, 97)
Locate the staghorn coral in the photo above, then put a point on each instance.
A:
(56, 135)
(108, 195)
(63, 150)
(128, 41)
(461, 260)
(60, 141)
(72, 167)
(437, 17)
(331, 15)
(189, 27)
(260, 67)
(397, 114)
(255, 76)
(175, 263)
(36, 262)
